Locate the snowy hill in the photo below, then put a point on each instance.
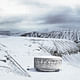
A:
(39, 46)
(23, 49)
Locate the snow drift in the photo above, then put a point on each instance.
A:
(23, 50)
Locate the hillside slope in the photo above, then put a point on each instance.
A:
(23, 50)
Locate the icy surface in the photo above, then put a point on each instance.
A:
(23, 51)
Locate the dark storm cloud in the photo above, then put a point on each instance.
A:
(67, 15)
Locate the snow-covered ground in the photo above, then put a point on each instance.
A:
(23, 51)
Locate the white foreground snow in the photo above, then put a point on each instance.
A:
(23, 51)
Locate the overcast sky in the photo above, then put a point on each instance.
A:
(39, 14)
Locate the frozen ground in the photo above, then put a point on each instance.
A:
(23, 51)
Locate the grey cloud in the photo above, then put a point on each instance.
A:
(10, 20)
(62, 16)
(77, 9)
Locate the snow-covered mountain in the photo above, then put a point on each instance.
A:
(61, 34)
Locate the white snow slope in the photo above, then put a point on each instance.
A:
(23, 51)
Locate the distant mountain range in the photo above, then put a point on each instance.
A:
(65, 34)
(5, 33)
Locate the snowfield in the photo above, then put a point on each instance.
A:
(17, 58)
